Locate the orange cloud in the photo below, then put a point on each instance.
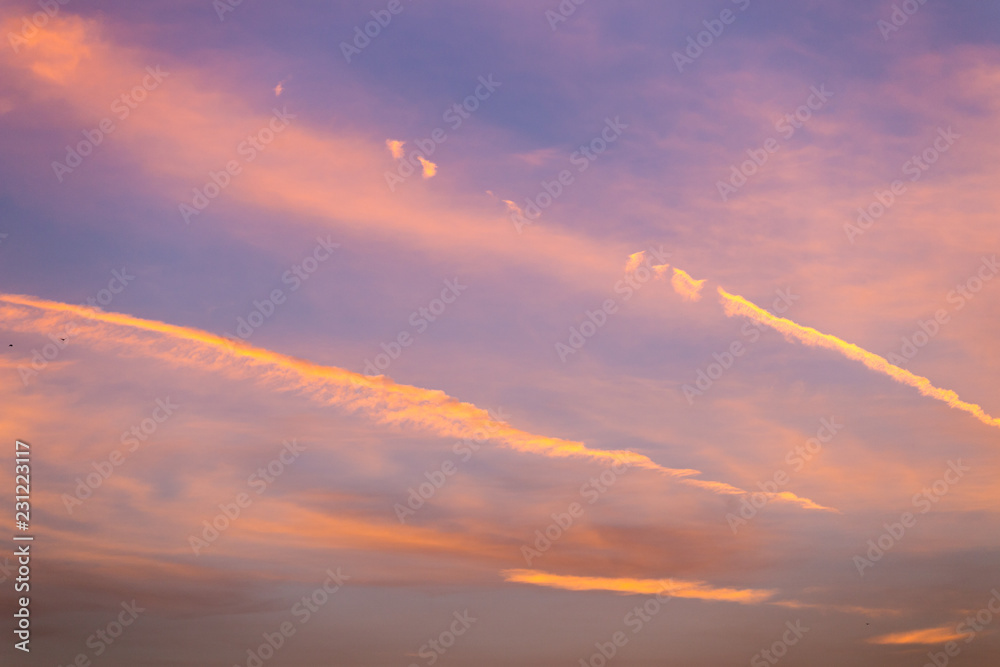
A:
(925, 636)
(379, 397)
(728, 489)
(672, 587)
(53, 52)
(430, 169)
(738, 306)
(872, 612)
(395, 147)
(686, 286)
(634, 260)
(513, 208)
(195, 124)
(805, 503)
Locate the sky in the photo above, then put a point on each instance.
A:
(500, 333)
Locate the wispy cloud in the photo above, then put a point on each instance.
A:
(674, 587)
(738, 306)
(925, 636)
(805, 503)
(395, 147)
(430, 169)
(634, 261)
(686, 286)
(872, 612)
(513, 208)
(379, 397)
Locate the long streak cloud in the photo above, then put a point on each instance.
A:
(738, 306)
(627, 586)
(379, 398)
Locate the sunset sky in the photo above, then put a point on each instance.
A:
(502, 333)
